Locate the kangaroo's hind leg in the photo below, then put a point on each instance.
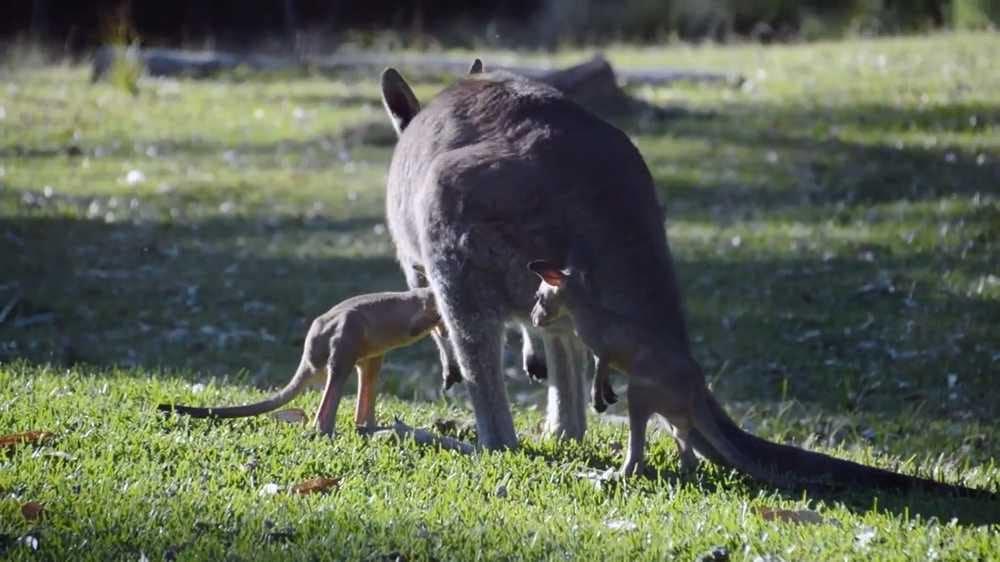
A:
(471, 307)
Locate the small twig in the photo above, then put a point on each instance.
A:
(43, 318)
(421, 437)
(9, 306)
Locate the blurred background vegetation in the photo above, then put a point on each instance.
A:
(78, 26)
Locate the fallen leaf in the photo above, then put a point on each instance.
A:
(32, 511)
(789, 515)
(28, 437)
(291, 415)
(319, 485)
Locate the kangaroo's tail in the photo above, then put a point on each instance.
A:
(778, 463)
(294, 387)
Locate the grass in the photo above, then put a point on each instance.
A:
(835, 222)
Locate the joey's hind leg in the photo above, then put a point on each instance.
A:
(341, 363)
(567, 398)
(364, 409)
(640, 408)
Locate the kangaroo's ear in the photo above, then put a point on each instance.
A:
(549, 272)
(398, 99)
(477, 67)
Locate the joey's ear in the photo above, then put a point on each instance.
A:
(477, 67)
(549, 272)
(398, 99)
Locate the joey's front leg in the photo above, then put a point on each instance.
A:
(451, 373)
(532, 356)
(364, 410)
(601, 393)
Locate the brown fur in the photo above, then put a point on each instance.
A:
(358, 332)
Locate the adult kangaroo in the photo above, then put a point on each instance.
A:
(498, 171)
(494, 172)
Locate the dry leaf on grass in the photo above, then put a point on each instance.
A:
(32, 511)
(789, 515)
(319, 485)
(28, 437)
(291, 415)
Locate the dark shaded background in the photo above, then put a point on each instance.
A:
(79, 25)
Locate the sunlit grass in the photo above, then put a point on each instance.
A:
(835, 224)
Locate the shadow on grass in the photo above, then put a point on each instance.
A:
(236, 293)
(778, 163)
(217, 294)
(944, 508)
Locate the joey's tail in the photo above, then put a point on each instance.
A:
(294, 387)
(783, 463)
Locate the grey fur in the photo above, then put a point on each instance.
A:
(498, 170)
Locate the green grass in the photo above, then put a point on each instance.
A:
(835, 223)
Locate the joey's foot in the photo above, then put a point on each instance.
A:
(536, 368)
(609, 395)
(599, 405)
(452, 376)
